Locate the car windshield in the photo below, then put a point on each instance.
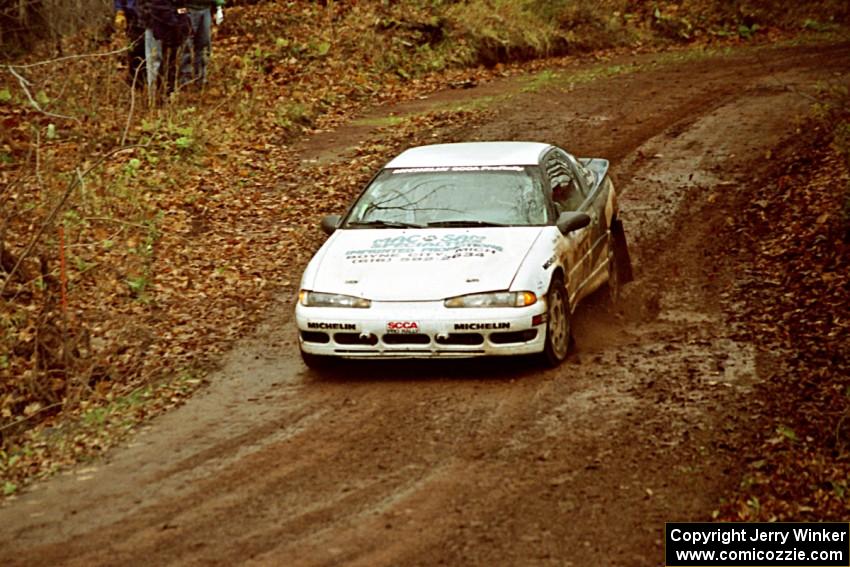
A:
(451, 196)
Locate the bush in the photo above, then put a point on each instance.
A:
(24, 22)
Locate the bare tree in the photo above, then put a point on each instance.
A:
(25, 21)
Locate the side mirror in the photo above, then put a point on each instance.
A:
(570, 221)
(329, 224)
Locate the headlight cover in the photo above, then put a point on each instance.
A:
(493, 299)
(309, 298)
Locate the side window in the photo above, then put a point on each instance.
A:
(584, 178)
(587, 177)
(567, 191)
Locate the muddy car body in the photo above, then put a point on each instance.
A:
(462, 250)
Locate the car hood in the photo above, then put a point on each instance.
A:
(420, 264)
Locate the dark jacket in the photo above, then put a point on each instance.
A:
(167, 23)
(203, 4)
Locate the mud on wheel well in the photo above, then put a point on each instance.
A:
(558, 273)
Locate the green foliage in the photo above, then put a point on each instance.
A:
(138, 284)
(322, 48)
(815, 25)
(72, 219)
(386, 121)
(672, 26)
(747, 32)
(42, 98)
(754, 506)
(787, 432)
(178, 130)
(292, 115)
(540, 80)
(132, 167)
(95, 416)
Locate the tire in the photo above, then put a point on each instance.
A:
(621, 253)
(612, 286)
(558, 325)
(619, 263)
(317, 361)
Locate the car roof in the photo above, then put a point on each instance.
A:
(470, 154)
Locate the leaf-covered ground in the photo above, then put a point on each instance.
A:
(793, 233)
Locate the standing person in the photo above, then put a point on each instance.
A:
(128, 19)
(196, 53)
(153, 47)
(170, 26)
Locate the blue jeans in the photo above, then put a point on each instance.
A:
(153, 57)
(196, 50)
(163, 62)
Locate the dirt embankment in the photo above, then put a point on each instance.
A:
(484, 462)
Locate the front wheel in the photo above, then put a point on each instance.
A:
(558, 327)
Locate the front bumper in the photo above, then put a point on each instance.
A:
(420, 329)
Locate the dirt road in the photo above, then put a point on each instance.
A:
(494, 462)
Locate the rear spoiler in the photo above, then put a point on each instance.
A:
(598, 166)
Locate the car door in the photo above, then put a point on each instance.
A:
(596, 190)
(568, 194)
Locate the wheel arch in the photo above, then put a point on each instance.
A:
(558, 272)
(561, 272)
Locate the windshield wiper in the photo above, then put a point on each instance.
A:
(447, 223)
(384, 224)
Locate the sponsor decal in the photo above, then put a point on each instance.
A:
(481, 326)
(424, 248)
(402, 327)
(332, 326)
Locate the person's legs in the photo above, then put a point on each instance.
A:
(203, 44)
(186, 74)
(193, 66)
(137, 54)
(153, 58)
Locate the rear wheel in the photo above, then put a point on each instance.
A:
(621, 252)
(612, 287)
(558, 327)
(619, 263)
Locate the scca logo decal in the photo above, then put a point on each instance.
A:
(402, 326)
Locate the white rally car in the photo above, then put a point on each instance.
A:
(462, 250)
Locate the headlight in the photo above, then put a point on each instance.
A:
(318, 299)
(496, 299)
